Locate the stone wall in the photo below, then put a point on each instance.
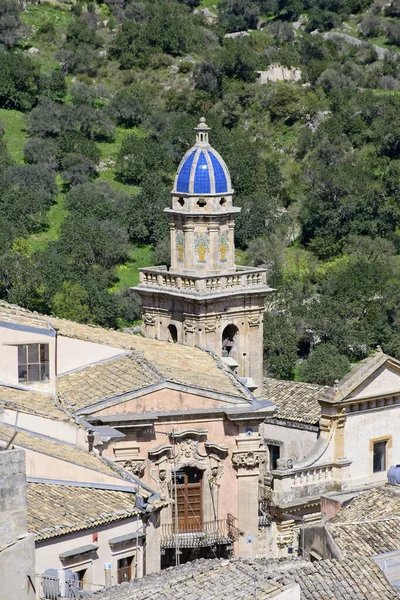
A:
(17, 547)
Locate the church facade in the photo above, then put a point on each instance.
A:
(204, 299)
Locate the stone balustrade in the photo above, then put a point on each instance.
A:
(160, 277)
(301, 484)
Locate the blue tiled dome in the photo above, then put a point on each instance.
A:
(202, 170)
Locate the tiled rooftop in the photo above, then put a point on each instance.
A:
(350, 579)
(55, 510)
(296, 401)
(52, 447)
(31, 402)
(370, 524)
(173, 362)
(103, 381)
(199, 580)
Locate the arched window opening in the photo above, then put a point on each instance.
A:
(173, 333)
(222, 201)
(230, 338)
(181, 201)
(202, 203)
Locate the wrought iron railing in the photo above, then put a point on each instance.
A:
(194, 535)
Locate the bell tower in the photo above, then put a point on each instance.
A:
(204, 299)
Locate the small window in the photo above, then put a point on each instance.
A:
(125, 569)
(181, 201)
(202, 203)
(274, 454)
(380, 456)
(222, 201)
(33, 362)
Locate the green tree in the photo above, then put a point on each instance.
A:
(325, 365)
(10, 23)
(71, 302)
(280, 345)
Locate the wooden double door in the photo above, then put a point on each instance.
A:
(189, 500)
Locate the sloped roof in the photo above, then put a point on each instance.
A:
(358, 374)
(56, 449)
(370, 524)
(350, 579)
(296, 401)
(198, 580)
(177, 363)
(109, 379)
(55, 510)
(30, 402)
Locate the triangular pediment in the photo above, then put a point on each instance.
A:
(383, 381)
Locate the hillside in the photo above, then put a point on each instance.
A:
(98, 102)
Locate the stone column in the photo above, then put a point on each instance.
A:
(247, 460)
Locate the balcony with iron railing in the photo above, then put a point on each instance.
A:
(243, 278)
(199, 535)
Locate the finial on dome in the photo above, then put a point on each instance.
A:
(202, 130)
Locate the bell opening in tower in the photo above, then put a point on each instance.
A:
(173, 333)
(230, 339)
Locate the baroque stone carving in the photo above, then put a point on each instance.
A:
(254, 321)
(210, 326)
(248, 460)
(189, 326)
(216, 473)
(136, 467)
(149, 319)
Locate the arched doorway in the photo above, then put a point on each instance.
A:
(173, 334)
(230, 341)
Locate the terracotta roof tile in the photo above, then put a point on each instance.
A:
(370, 524)
(36, 403)
(56, 449)
(103, 381)
(350, 579)
(296, 401)
(55, 510)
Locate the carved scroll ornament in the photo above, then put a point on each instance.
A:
(248, 460)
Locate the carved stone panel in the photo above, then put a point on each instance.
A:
(248, 460)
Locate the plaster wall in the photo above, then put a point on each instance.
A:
(66, 432)
(291, 593)
(361, 429)
(17, 570)
(73, 354)
(164, 400)
(47, 552)
(295, 443)
(383, 381)
(48, 467)
(9, 340)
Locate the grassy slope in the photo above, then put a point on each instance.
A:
(15, 135)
